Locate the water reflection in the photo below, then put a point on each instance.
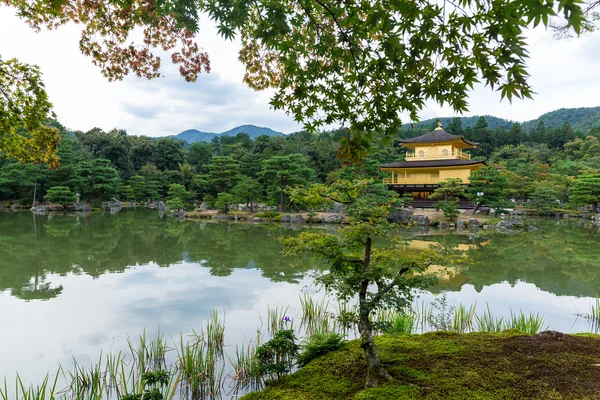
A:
(106, 277)
(561, 257)
(32, 247)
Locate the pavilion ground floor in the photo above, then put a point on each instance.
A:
(421, 193)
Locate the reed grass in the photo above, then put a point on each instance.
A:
(244, 365)
(43, 391)
(463, 318)
(403, 322)
(488, 323)
(201, 364)
(278, 319)
(593, 317)
(198, 367)
(523, 323)
(423, 314)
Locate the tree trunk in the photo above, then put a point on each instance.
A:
(477, 205)
(281, 195)
(376, 374)
(34, 193)
(595, 207)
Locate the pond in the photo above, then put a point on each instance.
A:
(72, 286)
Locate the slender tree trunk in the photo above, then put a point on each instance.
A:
(477, 205)
(376, 374)
(595, 207)
(281, 196)
(34, 193)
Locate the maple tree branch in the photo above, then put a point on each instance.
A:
(345, 35)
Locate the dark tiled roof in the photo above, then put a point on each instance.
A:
(438, 135)
(432, 163)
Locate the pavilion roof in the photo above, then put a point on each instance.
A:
(432, 163)
(436, 136)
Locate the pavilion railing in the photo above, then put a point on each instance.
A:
(455, 155)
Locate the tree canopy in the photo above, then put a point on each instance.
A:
(357, 63)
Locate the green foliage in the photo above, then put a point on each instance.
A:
(283, 171)
(222, 175)
(449, 208)
(350, 78)
(224, 202)
(126, 193)
(449, 189)
(544, 199)
(488, 187)
(25, 133)
(97, 179)
(403, 322)
(318, 345)
(275, 358)
(523, 323)
(61, 195)
(587, 191)
(381, 277)
(268, 215)
(139, 187)
(178, 196)
(248, 191)
(169, 154)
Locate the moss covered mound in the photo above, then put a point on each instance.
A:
(549, 365)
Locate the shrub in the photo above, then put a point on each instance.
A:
(268, 215)
(61, 195)
(318, 345)
(275, 358)
(402, 323)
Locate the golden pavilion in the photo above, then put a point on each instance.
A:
(431, 159)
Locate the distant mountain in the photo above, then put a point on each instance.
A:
(466, 122)
(194, 135)
(581, 119)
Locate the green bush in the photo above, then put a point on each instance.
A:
(402, 323)
(275, 358)
(318, 345)
(269, 215)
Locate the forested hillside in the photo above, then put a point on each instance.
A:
(581, 119)
(238, 169)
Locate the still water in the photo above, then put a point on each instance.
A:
(71, 286)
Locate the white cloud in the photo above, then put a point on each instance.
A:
(563, 74)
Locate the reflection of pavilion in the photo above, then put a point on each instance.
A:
(451, 276)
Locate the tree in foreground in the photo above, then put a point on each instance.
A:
(61, 195)
(380, 275)
(24, 110)
(356, 63)
(587, 191)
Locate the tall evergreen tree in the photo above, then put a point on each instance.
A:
(282, 171)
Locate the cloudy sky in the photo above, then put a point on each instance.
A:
(564, 73)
